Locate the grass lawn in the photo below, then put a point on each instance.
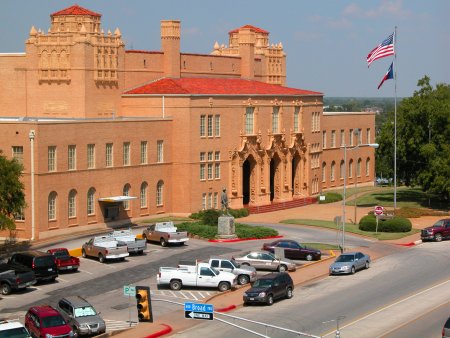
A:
(352, 228)
(322, 246)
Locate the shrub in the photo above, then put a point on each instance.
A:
(396, 224)
(238, 213)
(201, 230)
(210, 216)
(242, 230)
(247, 231)
(331, 197)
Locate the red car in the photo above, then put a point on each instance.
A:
(64, 260)
(293, 250)
(45, 321)
(438, 231)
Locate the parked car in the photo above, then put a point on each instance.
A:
(165, 233)
(446, 329)
(266, 261)
(13, 329)
(46, 321)
(64, 261)
(104, 248)
(349, 263)
(270, 287)
(134, 245)
(81, 316)
(15, 277)
(293, 249)
(42, 264)
(437, 232)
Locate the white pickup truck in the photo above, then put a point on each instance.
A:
(165, 233)
(201, 275)
(104, 248)
(127, 237)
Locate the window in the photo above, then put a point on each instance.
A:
(210, 171)
(217, 171)
(358, 168)
(359, 136)
(315, 122)
(217, 156)
(209, 201)
(202, 171)
(143, 152)
(210, 155)
(324, 139)
(72, 160)
(203, 201)
(350, 168)
(341, 170)
(91, 156)
(126, 192)
(215, 199)
(72, 204)
(202, 156)
(296, 113)
(350, 136)
(342, 137)
(90, 201)
(333, 165)
(249, 120)
(52, 206)
(368, 135)
(324, 171)
(160, 151)
(143, 195)
(217, 125)
(159, 193)
(333, 139)
(367, 166)
(109, 154)
(19, 216)
(126, 153)
(210, 125)
(52, 158)
(202, 126)
(17, 153)
(275, 118)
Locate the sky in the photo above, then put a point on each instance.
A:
(326, 42)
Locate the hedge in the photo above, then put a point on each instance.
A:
(212, 214)
(242, 230)
(331, 197)
(396, 224)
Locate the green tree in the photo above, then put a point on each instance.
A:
(12, 196)
(423, 134)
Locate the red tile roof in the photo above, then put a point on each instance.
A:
(253, 28)
(75, 10)
(216, 86)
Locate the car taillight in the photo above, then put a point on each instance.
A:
(159, 274)
(168, 236)
(33, 265)
(18, 281)
(106, 252)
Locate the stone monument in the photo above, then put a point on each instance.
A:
(226, 221)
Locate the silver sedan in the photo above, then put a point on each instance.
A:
(349, 263)
(266, 261)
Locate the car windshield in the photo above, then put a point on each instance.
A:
(234, 263)
(85, 311)
(439, 224)
(52, 321)
(61, 254)
(262, 283)
(215, 270)
(345, 258)
(18, 332)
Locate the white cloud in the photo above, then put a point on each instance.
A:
(387, 7)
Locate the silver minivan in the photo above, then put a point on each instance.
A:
(81, 316)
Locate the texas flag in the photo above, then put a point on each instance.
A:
(389, 75)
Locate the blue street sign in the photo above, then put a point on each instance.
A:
(194, 307)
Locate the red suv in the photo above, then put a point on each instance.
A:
(45, 321)
(438, 231)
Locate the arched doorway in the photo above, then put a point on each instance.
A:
(275, 177)
(248, 173)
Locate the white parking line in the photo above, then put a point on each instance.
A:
(201, 294)
(173, 293)
(131, 260)
(184, 296)
(90, 273)
(192, 295)
(62, 280)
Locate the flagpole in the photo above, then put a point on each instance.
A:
(395, 119)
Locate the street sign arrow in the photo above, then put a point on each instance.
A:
(198, 315)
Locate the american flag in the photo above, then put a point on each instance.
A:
(384, 49)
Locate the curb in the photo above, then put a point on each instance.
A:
(411, 243)
(240, 239)
(167, 329)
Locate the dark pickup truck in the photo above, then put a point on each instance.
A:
(437, 232)
(14, 277)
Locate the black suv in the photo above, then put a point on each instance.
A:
(43, 264)
(270, 287)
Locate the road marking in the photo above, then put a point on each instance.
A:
(60, 279)
(201, 294)
(90, 273)
(114, 325)
(192, 295)
(173, 294)
(184, 296)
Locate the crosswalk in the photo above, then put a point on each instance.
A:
(116, 325)
(183, 294)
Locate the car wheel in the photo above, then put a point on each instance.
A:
(269, 300)
(438, 237)
(182, 243)
(289, 293)
(163, 242)
(101, 259)
(353, 270)
(243, 279)
(309, 257)
(245, 264)
(282, 268)
(224, 286)
(367, 265)
(83, 253)
(175, 284)
(6, 289)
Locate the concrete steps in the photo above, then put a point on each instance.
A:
(281, 205)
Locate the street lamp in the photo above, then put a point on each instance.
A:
(372, 145)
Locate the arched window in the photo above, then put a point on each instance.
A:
(324, 172)
(368, 166)
(358, 168)
(333, 165)
(72, 203)
(341, 170)
(143, 195)
(350, 168)
(52, 206)
(126, 192)
(91, 202)
(159, 193)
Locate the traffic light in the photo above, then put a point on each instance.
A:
(144, 304)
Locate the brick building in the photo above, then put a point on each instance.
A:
(107, 134)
